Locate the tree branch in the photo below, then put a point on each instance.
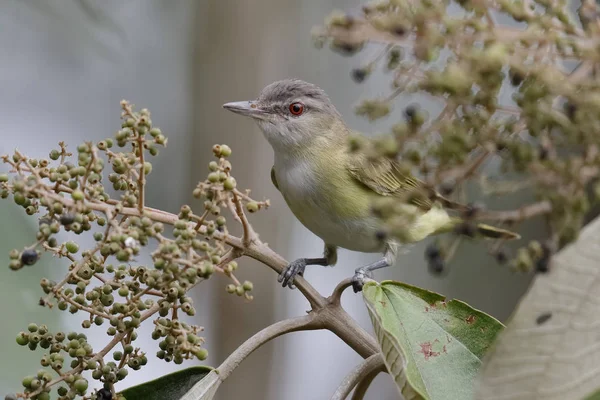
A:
(368, 366)
(303, 323)
(365, 382)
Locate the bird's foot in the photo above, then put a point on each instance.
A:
(359, 278)
(289, 273)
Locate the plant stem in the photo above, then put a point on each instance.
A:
(303, 323)
(365, 382)
(373, 363)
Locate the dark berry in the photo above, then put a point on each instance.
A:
(103, 394)
(67, 219)
(359, 74)
(29, 257)
(570, 110)
(501, 257)
(436, 266)
(515, 78)
(410, 112)
(542, 265)
(432, 252)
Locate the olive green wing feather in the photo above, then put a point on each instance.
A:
(273, 178)
(385, 177)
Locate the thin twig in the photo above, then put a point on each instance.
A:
(373, 363)
(336, 295)
(303, 323)
(365, 382)
(141, 175)
(248, 235)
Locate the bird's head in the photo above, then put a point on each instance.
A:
(293, 114)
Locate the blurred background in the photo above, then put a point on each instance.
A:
(66, 65)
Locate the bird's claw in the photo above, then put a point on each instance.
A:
(289, 273)
(359, 278)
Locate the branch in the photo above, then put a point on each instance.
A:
(142, 174)
(331, 316)
(248, 233)
(304, 323)
(336, 295)
(520, 214)
(365, 382)
(367, 367)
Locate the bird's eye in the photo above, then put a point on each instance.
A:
(296, 108)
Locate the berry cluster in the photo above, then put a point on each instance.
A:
(104, 283)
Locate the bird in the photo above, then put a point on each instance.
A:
(331, 189)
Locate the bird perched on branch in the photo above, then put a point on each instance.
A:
(331, 189)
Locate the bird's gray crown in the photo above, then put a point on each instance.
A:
(288, 90)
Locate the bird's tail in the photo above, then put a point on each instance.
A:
(484, 230)
(493, 232)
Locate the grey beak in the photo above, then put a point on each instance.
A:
(246, 108)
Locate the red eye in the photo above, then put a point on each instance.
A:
(296, 108)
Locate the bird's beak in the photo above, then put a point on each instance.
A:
(246, 108)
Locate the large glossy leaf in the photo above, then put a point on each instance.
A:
(168, 387)
(432, 347)
(550, 349)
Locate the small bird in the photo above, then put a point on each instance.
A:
(331, 189)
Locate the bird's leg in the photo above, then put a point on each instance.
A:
(297, 267)
(361, 273)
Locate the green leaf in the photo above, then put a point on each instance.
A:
(168, 387)
(205, 389)
(550, 347)
(432, 347)
(593, 396)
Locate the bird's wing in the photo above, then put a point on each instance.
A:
(273, 178)
(384, 176)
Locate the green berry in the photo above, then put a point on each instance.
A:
(20, 198)
(81, 385)
(252, 206)
(213, 177)
(201, 354)
(122, 373)
(225, 150)
(229, 183)
(77, 195)
(72, 247)
(54, 154)
(32, 327)
(3, 178)
(27, 381)
(248, 286)
(154, 132)
(22, 339)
